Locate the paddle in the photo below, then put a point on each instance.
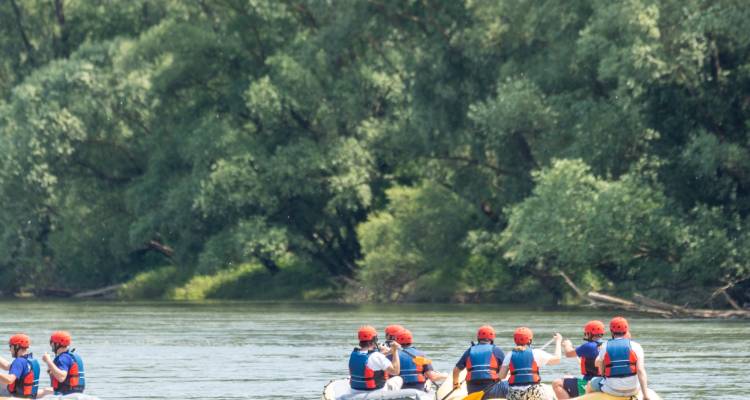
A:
(478, 395)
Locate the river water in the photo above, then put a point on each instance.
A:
(237, 350)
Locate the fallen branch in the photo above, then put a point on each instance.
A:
(102, 292)
(646, 305)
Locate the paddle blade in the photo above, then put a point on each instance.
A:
(475, 396)
(421, 361)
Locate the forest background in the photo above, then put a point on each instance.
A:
(376, 150)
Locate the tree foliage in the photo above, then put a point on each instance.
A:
(459, 150)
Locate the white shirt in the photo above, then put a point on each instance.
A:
(624, 386)
(378, 362)
(540, 356)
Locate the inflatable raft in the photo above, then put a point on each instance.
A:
(604, 396)
(75, 396)
(340, 390)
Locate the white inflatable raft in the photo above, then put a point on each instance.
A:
(340, 390)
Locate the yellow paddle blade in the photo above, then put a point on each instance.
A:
(421, 361)
(475, 396)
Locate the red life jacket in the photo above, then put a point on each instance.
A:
(74, 381)
(620, 359)
(361, 377)
(588, 365)
(26, 386)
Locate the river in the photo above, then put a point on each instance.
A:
(238, 350)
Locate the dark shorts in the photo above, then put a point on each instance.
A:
(575, 386)
(492, 390)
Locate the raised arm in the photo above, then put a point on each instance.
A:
(568, 348)
(395, 367)
(4, 364)
(557, 356)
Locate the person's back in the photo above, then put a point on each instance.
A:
(22, 379)
(416, 368)
(621, 363)
(482, 362)
(523, 364)
(569, 387)
(369, 369)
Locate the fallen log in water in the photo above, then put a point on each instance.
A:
(108, 291)
(646, 305)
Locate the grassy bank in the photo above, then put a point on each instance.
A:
(245, 281)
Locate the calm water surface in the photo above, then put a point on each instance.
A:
(289, 351)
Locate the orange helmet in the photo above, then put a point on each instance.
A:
(618, 325)
(367, 333)
(486, 332)
(61, 338)
(523, 336)
(404, 337)
(594, 327)
(393, 330)
(20, 340)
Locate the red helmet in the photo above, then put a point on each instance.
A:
(594, 327)
(486, 332)
(404, 337)
(367, 333)
(61, 338)
(20, 340)
(618, 325)
(523, 336)
(393, 330)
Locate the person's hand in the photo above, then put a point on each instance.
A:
(567, 343)
(395, 346)
(46, 358)
(456, 385)
(558, 338)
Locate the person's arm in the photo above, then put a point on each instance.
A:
(435, 376)
(503, 373)
(456, 376)
(557, 356)
(7, 379)
(4, 364)
(570, 352)
(599, 362)
(395, 367)
(642, 376)
(56, 372)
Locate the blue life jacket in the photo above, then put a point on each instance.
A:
(75, 381)
(360, 376)
(620, 360)
(482, 363)
(588, 365)
(410, 371)
(523, 368)
(27, 385)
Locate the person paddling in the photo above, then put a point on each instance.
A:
(569, 386)
(621, 363)
(23, 372)
(523, 364)
(369, 369)
(66, 370)
(482, 360)
(415, 367)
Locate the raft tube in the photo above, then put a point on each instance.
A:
(72, 396)
(604, 396)
(445, 392)
(339, 390)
